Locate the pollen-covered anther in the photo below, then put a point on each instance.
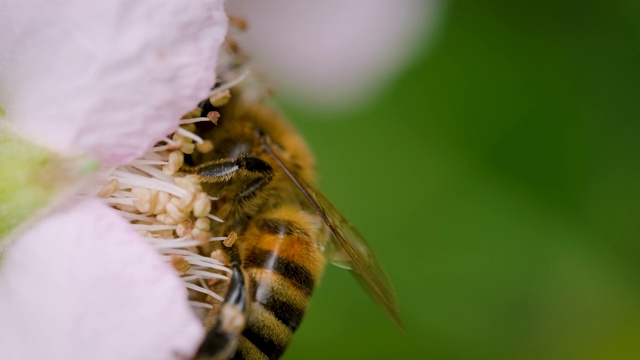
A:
(180, 264)
(184, 203)
(109, 189)
(231, 239)
(179, 139)
(205, 146)
(218, 255)
(201, 205)
(175, 212)
(126, 208)
(175, 162)
(214, 116)
(166, 219)
(194, 180)
(188, 148)
(203, 237)
(166, 234)
(221, 98)
(190, 183)
(233, 45)
(202, 224)
(238, 22)
(184, 228)
(189, 127)
(183, 143)
(161, 200)
(142, 199)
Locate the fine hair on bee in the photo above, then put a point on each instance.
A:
(262, 174)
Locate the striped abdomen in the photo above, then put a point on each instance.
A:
(282, 264)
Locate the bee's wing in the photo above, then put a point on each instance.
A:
(349, 248)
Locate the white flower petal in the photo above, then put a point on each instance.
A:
(82, 284)
(334, 52)
(108, 77)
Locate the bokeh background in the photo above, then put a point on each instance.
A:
(498, 179)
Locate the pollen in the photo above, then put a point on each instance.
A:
(109, 189)
(180, 264)
(231, 239)
(214, 116)
(167, 205)
(221, 98)
(205, 147)
(170, 209)
(176, 160)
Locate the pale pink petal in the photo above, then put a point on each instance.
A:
(107, 77)
(82, 284)
(335, 52)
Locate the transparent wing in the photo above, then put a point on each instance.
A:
(348, 248)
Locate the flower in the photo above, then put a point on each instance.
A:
(335, 54)
(107, 79)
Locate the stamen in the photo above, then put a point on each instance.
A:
(180, 264)
(190, 135)
(120, 201)
(128, 180)
(221, 98)
(108, 190)
(135, 217)
(205, 147)
(170, 208)
(205, 274)
(200, 304)
(215, 218)
(193, 120)
(172, 244)
(230, 240)
(214, 116)
(160, 148)
(202, 290)
(229, 84)
(153, 227)
(147, 162)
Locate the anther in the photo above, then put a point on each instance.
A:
(205, 146)
(142, 199)
(201, 205)
(176, 160)
(214, 116)
(231, 239)
(180, 264)
(239, 22)
(109, 189)
(184, 228)
(203, 224)
(175, 212)
(162, 199)
(187, 148)
(221, 98)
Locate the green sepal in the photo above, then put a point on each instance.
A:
(31, 178)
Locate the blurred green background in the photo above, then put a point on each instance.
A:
(498, 180)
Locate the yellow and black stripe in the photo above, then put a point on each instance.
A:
(283, 265)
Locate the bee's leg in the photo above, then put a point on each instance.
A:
(225, 169)
(257, 172)
(221, 341)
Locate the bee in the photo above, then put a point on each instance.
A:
(262, 173)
